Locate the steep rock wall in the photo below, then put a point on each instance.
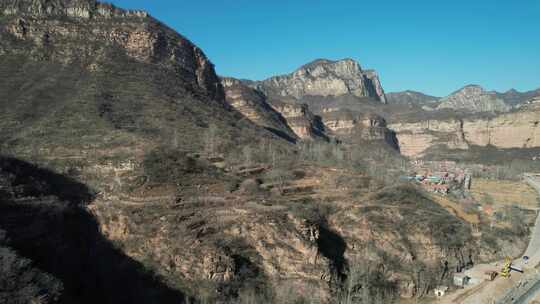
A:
(84, 31)
(302, 121)
(325, 78)
(254, 106)
(519, 129)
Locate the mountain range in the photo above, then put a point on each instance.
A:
(130, 172)
(472, 98)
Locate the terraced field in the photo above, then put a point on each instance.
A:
(504, 193)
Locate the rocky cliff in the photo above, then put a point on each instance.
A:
(473, 99)
(516, 129)
(325, 78)
(254, 106)
(41, 26)
(302, 121)
(360, 126)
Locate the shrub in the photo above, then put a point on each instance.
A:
(166, 165)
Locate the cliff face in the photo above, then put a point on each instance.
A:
(302, 121)
(82, 32)
(254, 106)
(368, 126)
(326, 78)
(517, 129)
(473, 99)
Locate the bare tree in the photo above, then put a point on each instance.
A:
(211, 140)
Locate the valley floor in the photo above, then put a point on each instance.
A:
(501, 288)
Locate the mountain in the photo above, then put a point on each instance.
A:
(324, 77)
(86, 77)
(129, 174)
(473, 99)
(513, 97)
(410, 97)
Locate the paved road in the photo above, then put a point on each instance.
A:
(533, 250)
(529, 287)
(519, 288)
(530, 295)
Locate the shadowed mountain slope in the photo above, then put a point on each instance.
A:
(44, 218)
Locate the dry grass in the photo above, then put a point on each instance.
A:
(455, 209)
(504, 193)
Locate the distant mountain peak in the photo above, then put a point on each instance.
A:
(410, 97)
(474, 98)
(324, 77)
(472, 87)
(321, 62)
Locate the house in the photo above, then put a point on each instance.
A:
(461, 279)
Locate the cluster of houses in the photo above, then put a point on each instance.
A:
(439, 177)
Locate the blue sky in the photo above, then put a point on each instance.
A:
(433, 46)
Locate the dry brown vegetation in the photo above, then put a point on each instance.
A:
(502, 193)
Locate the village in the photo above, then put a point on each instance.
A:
(486, 200)
(439, 177)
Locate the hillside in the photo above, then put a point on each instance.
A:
(111, 85)
(411, 97)
(130, 174)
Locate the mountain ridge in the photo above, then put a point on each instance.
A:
(324, 77)
(511, 97)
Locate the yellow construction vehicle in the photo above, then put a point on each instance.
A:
(505, 272)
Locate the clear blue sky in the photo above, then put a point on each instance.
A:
(434, 46)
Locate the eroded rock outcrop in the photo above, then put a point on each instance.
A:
(40, 26)
(517, 129)
(474, 98)
(366, 126)
(324, 77)
(302, 121)
(254, 106)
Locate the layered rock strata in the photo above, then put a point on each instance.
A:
(517, 129)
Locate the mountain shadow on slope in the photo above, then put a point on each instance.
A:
(45, 221)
